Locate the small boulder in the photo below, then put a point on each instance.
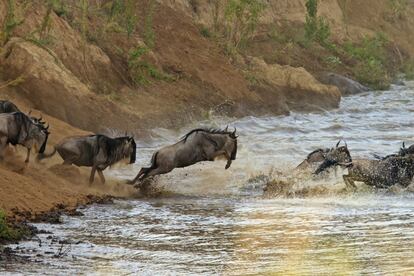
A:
(346, 85)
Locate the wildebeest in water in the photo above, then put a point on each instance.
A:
(380, 173)
(96, 151)
(326, 157)
(19, 129)
(196, 146)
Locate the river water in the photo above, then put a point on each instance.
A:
(215, 221)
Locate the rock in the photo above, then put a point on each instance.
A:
(301, 90)
(346, 85)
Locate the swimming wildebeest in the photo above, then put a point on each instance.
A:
(326, 157)
(8, 107)
(196, 146)
(379, 173)
(402, 152)
(96, 151)
(19, 129)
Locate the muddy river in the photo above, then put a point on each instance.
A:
(214, 221)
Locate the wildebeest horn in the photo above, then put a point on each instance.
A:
(403, 146)
(30, 112)
(337, 144)
(227, 127)
(346, 145)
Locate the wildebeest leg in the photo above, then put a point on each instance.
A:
(3, 144)
(101, 176)
(349, 182)
(141, 172)
(156, 171)
(92, 177)
(27, 156)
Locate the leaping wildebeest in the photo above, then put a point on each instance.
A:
(197, 145)
(96, 151)
(19, 129)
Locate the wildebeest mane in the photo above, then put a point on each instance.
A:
(315, 151)
(8, 107)
(111, 147)
(208, 130)
(21, 120)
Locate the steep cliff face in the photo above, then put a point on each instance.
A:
(348, 19)
(384, 29)
(84, 77)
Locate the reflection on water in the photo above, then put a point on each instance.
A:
(361, 234)
(220, 224)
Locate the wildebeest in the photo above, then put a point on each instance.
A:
(96, 151)
(19, 129)
(379, 173)
(197, 145)
(8, 107)
(402, 152)
(326, 157)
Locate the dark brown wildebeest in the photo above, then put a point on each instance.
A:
(19, 129)
(379, 173)
(326, 157)
(96, 151)
(8, 107)
(196, 146)
(402, 152)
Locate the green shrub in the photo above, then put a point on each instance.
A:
(142, 71)
(333, 61)
(122, 13)
(149, 34)
(316, 27)
(14, 18)
(205, 32)
(372, 60)
(6, 232)
(408, 69)
(372, 73)
(240, 21)
(398, 7)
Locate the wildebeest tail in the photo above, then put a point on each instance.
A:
(134, 152)
(154, 160)
(43, 155)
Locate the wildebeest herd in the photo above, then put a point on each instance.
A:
(100, 151)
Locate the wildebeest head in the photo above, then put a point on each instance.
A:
(129, 148)
(339, 155)
(404, 151)
(38, 133)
